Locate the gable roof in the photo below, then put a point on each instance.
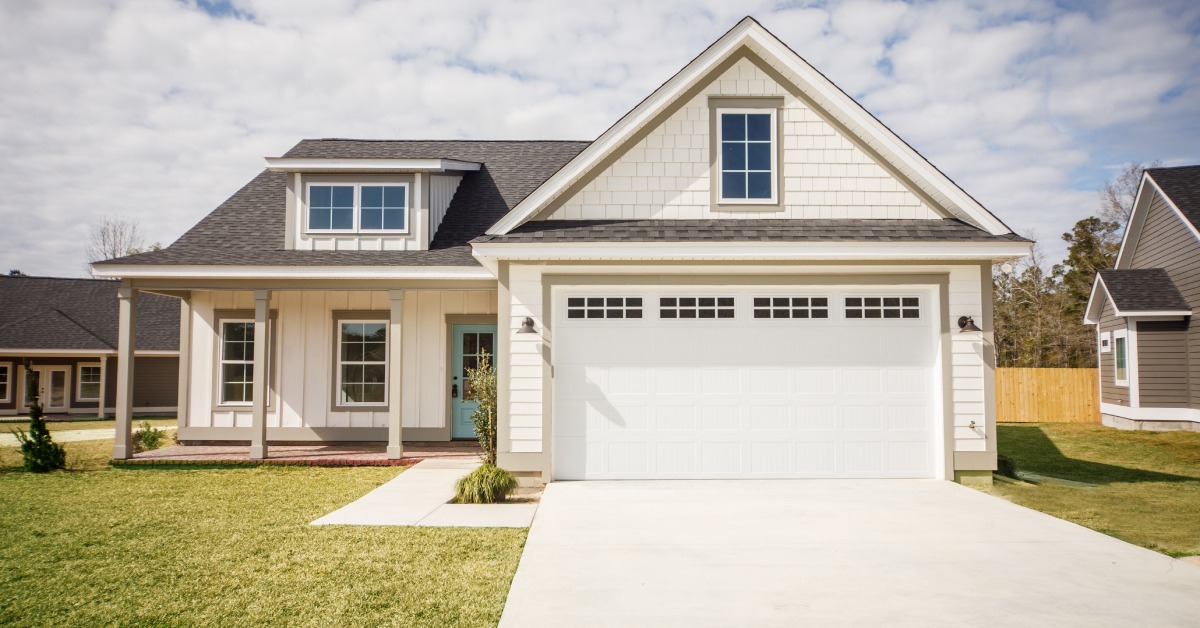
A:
(749, 37)
(79, 315)
(1136, 291)
(1180, 188)
(747, 230)
(249, 228)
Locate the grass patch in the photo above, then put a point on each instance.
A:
(1146, 484)
(167, 546)
(94, 424)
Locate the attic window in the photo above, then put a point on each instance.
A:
(357, 208)
(747, 158)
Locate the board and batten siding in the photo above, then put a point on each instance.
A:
(1167, 243)
(1109, 391)
(303, 355)
(441, 192)
(967, 370)
(665, 175)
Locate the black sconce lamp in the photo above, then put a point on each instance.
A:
(527, 326)
(966, 324)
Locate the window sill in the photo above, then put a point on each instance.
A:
(352, 232)
(745, 206)
(362, 408)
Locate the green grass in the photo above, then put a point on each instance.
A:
(1146, 484)
(93, 424)
(230, 547)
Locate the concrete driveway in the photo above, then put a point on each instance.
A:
(829, 553)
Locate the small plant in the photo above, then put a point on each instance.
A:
(148, 437)
(1006, 467)
(39, 452)
(481, 388)
(486, 485)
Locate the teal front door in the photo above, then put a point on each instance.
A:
(470, 341)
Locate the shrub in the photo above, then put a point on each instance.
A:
(486, 485)
(39, 452)
(1006, 467)
(481, 388)
(148, 437)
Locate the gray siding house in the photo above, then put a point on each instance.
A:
(1149, 350)
(67, 329)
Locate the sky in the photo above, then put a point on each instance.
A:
(158, 110)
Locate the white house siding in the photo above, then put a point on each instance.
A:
(968, 372)
(441, 192)
(666, 174)
(416, 239)
(303, 356)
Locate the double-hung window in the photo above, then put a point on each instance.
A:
(1121, 357)
(362, 363)
(237, 362)
(357, 208)
(89, 382)
(5, 382)
(747, 162)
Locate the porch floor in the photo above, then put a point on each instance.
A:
(316, 454)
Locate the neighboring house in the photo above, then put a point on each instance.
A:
(67, 329)
(1149, 351)
(746, 276)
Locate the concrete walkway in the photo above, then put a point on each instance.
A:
(8, 439)
(829, 553)
(419, 496)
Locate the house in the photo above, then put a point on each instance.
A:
(1143, 309)
(747, 275)
(67, 329)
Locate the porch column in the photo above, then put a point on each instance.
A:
(258, 436)
(127, 329)
(100, 413)
(395, 447)
(185, 362)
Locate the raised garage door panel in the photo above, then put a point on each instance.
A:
(741, 397)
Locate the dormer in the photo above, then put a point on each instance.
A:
(367, 204)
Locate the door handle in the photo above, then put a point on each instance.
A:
(454, 390)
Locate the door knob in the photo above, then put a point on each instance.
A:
(454, 391)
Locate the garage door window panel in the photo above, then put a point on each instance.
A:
(791, 307)
(697, 307)
(604, 307)
(882, 307)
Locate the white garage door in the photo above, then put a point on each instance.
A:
(744, 383)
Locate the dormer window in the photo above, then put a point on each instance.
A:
(357, 208)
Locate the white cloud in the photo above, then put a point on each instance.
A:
(157, 110)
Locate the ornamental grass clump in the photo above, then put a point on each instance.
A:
(39, 452)
(148, 437)
(486, 485)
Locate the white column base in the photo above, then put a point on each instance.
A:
(395, 452)
(121, 452)
(258, 452)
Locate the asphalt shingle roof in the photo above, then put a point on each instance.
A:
(248, 229)
(1143, 290)
(748, 230)
(79, 314)
(1182, 185)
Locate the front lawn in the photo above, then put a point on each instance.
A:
(230, 546)
(1141, 487)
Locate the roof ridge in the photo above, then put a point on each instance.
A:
(352, 139)
(83, 327)
(57, 278)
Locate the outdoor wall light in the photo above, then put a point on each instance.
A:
(527, 326)
(966, 324)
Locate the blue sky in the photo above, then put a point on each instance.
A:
(160, 109)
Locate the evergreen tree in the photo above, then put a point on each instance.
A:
(39, 452)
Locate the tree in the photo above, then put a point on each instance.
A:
(1093, 247)
(481, 388)
(1033, 329)
(1118, 194)
(116, 237)
(39, 452)
(16, 273)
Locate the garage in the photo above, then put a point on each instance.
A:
(745, 382)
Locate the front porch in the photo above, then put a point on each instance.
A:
(354, 454)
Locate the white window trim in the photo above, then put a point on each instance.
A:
(79, 381)
(221, 361)
(357, 207)
(721, 199)
(1121, 334)
(1105, 342)
(387, 366)
(8, 392)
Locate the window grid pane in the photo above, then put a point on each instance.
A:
(791, 307)
(696, 307)
(746, 156)
(4, 382)
(362, 357)
(331, 207)
(886, 307)
(89, 382)
(237, 362)
(604, 307)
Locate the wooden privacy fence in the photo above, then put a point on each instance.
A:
(1047, 395)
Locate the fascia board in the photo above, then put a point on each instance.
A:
(755, 250)
(326, 165)
(1137, 219)
(1090, 317)
(291, 272)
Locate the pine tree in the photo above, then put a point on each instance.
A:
(38, 450)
